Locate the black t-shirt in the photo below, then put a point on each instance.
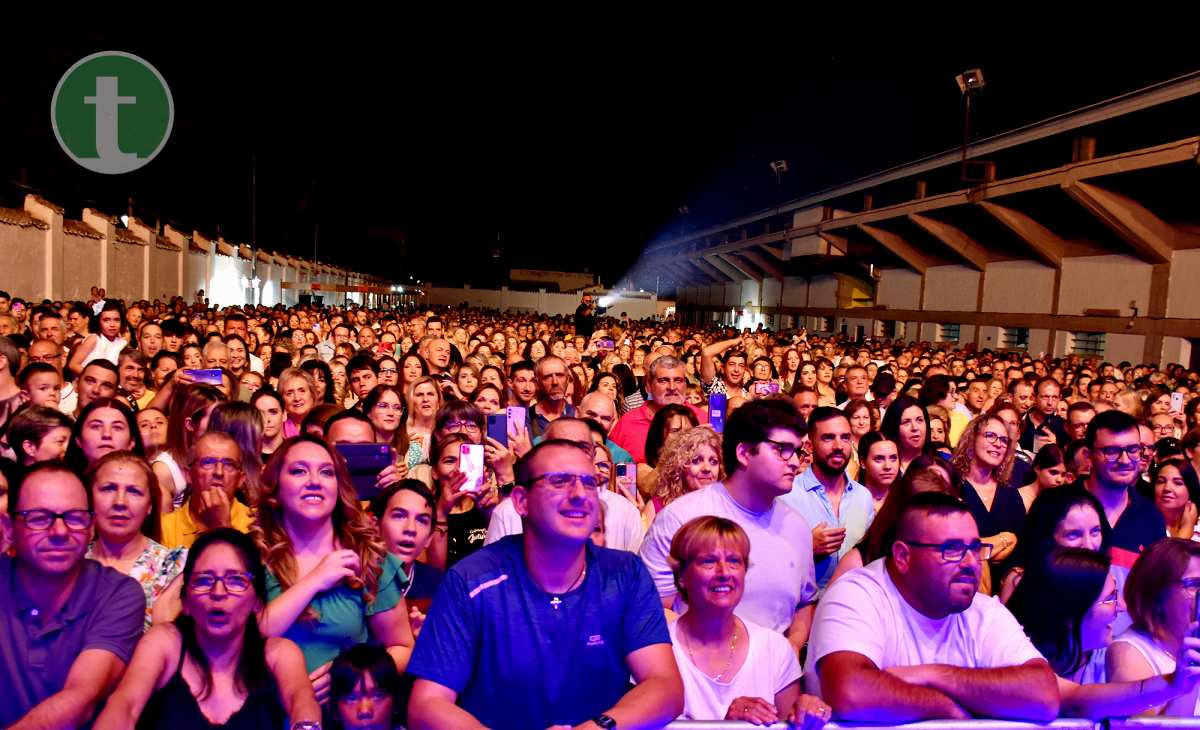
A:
(585, 321)
(1053, 424)
(465, 533)
(425, 580)
(1140, 526)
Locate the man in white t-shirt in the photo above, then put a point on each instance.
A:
(622, 521)
(909, 638)
(761, 451)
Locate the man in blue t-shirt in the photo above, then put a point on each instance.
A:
(544, 629)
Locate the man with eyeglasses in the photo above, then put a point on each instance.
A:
(592, 610)
(214, 476)
(68, 625)
(909, 637)
(761, 449)
(623, 528)
(666, 381)
(1043, 425)
(1115, 451)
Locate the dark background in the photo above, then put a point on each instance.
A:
(426, 149)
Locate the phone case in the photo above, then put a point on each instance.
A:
(470, 462)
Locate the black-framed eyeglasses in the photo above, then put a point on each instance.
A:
(953, 551)
(43, 519)
(468, 426)
(561, 480)
(1191, 585)
(1113, 453)
(237, 583)
(993, 438)
(786, 450)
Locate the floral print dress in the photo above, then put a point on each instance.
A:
(154, 570)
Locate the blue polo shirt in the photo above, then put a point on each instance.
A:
(857, 510)
(515, 661)
(104, 611)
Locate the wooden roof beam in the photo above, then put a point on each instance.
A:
(767, 267)
(1152, 238)
(741, 266)
(955, 239)
(1048, 245)
(723, 266)
(718, 275)
(904, 250)
(781, 251)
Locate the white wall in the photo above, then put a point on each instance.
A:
(1184, 298)
(1176, 349)
(1124, 347)
(823, 292)
(951, 288)
(550, 303)
(1019, 287)
(1104, 282)
(1039, 341)
(989, 337)
(898, 289)
(772, 291)
(795, 292)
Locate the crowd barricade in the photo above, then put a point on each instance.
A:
(1136, 723)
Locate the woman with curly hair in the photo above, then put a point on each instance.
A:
(689, 460)
(330, 580)
(984, 457)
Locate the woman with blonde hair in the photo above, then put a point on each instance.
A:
(688, 461)
(331, 582)
(984, 457)
(732, 669)
(299, 396)
(1130, 402)
(423, 400)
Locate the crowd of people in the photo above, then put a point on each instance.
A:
(317, 516)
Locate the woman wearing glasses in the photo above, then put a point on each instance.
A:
(1067, 604)
(1160, 595)
(984, 458)
(125, 502)
(213, 666)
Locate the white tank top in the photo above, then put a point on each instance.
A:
(180, 481)
(106, 349)
(1154, 654)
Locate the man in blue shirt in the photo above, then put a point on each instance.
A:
(838, 508)
(543, 628)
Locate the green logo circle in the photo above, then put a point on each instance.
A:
(112, 112)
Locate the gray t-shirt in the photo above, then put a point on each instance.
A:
(105, 611)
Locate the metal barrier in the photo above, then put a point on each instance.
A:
(1067, 724)
(1134, 723)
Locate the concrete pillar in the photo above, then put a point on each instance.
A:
(52, 216)
(105, 225)
(176, 237)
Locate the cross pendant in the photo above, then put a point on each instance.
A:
(556, 602)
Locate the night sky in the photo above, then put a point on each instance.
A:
(412, 147)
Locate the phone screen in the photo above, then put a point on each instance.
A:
(470, 462)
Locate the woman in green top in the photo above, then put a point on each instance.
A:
(330, 582)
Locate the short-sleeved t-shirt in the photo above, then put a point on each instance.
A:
(514, 660)
(781, 578)
(180, 530)
(770, 666)
(863, 612)
(104, 611)
(342, 614)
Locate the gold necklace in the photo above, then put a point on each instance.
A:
(728, 662)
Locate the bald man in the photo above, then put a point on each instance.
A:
(601, 409)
